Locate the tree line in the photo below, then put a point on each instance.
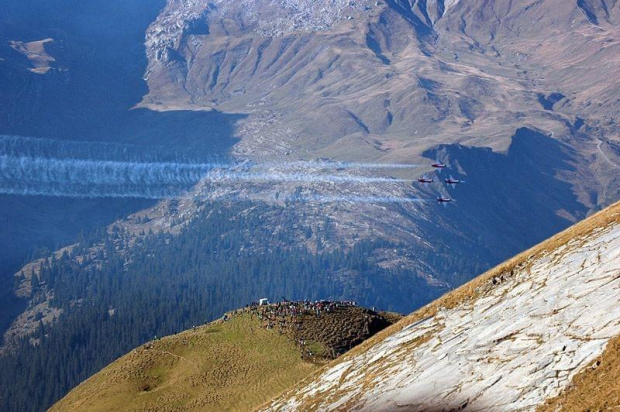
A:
(123, 295)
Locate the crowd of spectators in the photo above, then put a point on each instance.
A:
(287, 316)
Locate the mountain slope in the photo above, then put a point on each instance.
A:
(596, 387)
(225, 365)
(393, 78)
(518, 97)
(508, 340)
(96, 58)
(231, 364)
(411, 81)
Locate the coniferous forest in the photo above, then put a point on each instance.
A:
(121, 297)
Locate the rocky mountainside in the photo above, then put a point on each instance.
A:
(394, 77)
(411, 81)
(510, 340)
(518, 98)
(382, 81)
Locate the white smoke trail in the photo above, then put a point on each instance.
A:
(165, 193)
(26, 169)
(356, 199)
(88, 178)
(32, 147)
(329, 165)
(91, 192)
(297, 177)
(19, 146)
(32, 166)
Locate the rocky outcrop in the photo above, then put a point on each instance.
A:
(509, 341)
(37, 54)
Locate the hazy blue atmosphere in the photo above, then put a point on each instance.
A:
(163, 162)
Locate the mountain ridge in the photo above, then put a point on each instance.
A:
(385, 358)
(518, 98)
(236, 362)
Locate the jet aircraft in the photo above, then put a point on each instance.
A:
(444, 200)
(425, 180)
(453, 182)
(438, 166)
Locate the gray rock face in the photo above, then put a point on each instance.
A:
(266, 18)
(517, 344)
(164, 35)
(272, 18)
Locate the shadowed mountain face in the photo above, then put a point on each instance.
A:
(517, 97)
(72, 70)
(495, 206)
(92, 78)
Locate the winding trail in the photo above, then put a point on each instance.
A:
(598, 147)
(181, 357)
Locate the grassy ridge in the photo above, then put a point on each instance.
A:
(233, 365)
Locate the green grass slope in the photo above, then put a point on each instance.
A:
(237, 364)
(233, 365)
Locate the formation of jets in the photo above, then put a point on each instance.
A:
(452, 182)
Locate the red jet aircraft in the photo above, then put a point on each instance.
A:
(444, 200)
(453, 182)
(439, 166)
(425, 180)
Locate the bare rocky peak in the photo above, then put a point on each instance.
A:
(268, 18)
(275, 18)
(428, 11)
(163, 34)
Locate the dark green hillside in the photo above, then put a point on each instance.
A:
(164, 283)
